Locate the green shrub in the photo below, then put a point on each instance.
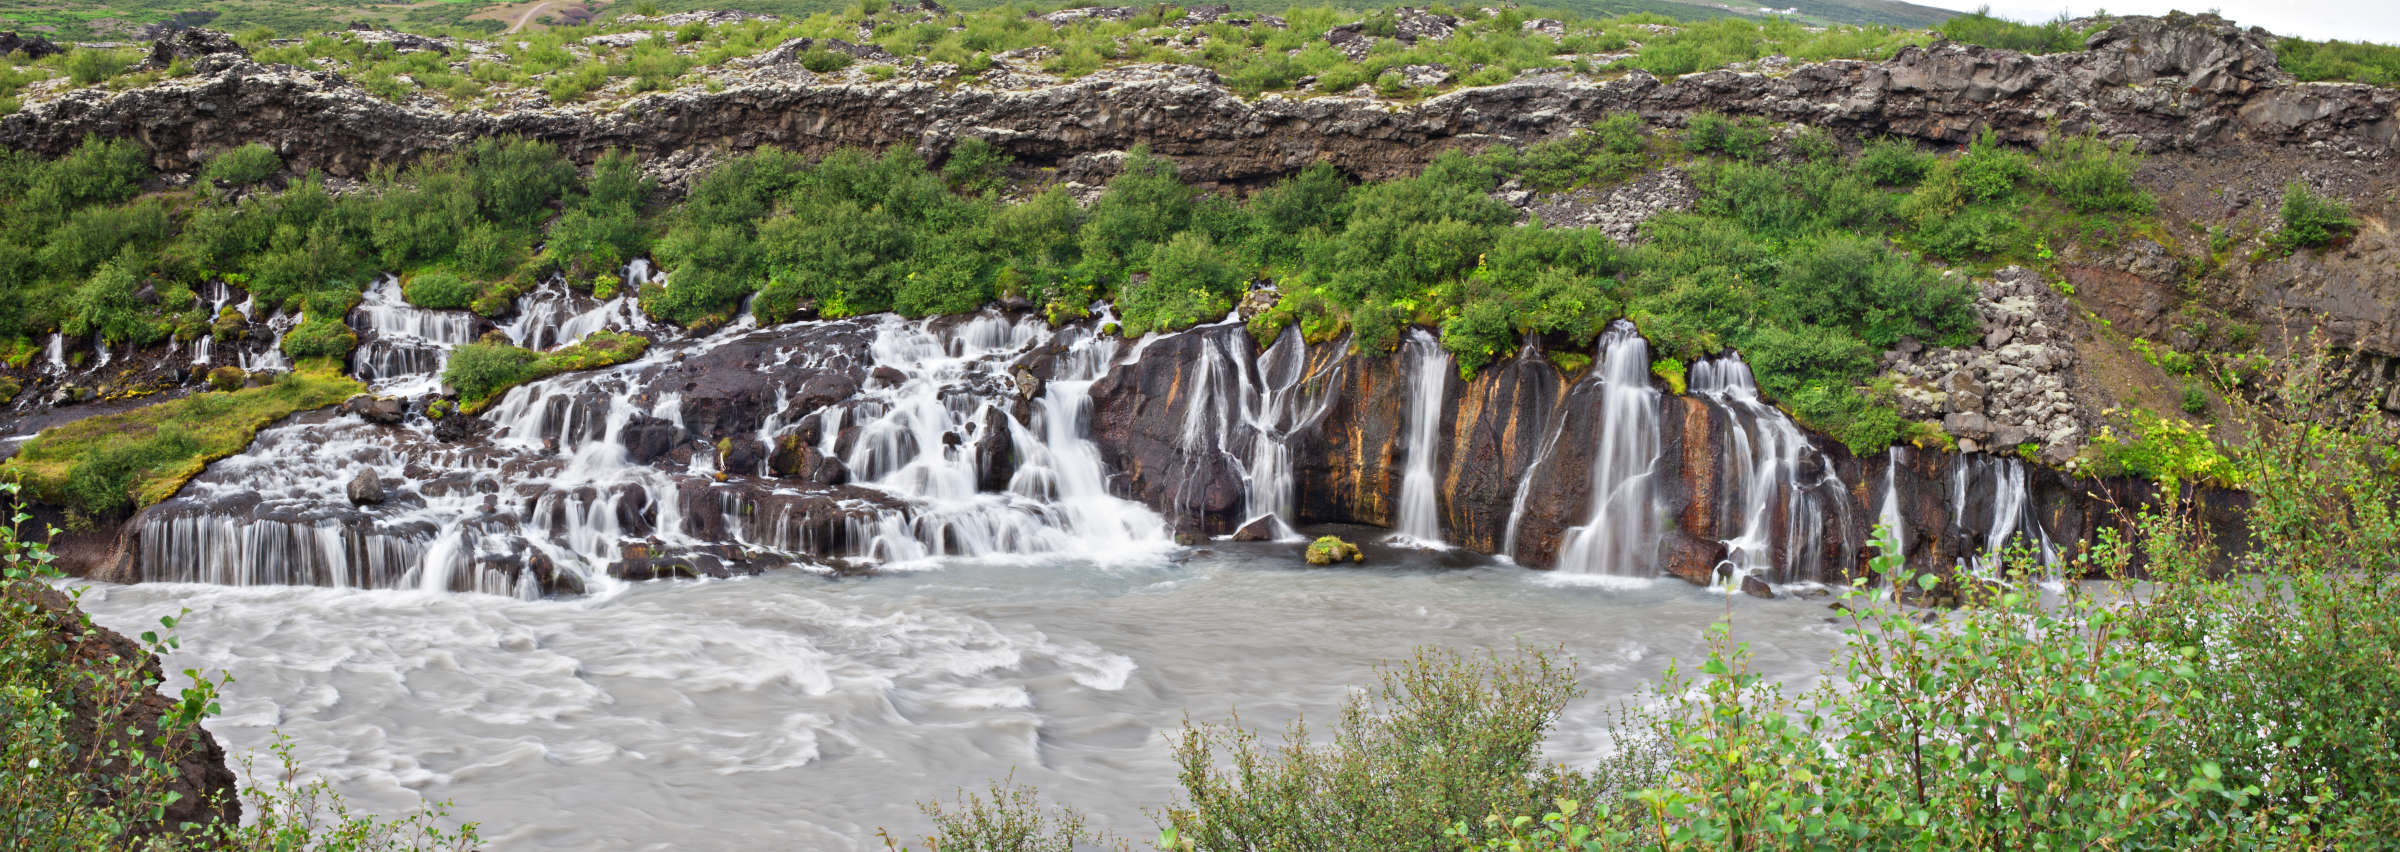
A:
(1709, 132)
(824, 61)
(438, 291)
(483, 368)
(2092, 176)
(1189, 283)
(2311, 220)
(320, 337)
(1894, 162)
(88, 66)
(1979, 27)
(1440, 740)
(975, 166)
(242, 165)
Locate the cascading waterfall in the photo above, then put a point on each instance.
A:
(1783, 490)
(270, 357)
(1894, 542)
(1419, 522)
(550, 497)
(2013, 521)
(54, 355)
(553, 314)
(403, 347)
(1619, 538)
(913, 441)
(1243, 412)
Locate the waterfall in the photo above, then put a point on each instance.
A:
(270, 358)
(1620, 536)
(203, 345)
(2012, 521)
(1895, 525)
(54, 355)
(1550, 433)
(1419, 521)
(552, 494)
(554, 314)
(1783, 491)
(404, 347)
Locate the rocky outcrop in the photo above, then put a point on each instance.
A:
(28, 48)
(202, 780)
(2011, 386)
(2175, 83)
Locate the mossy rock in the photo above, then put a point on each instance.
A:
(227, 378)
(1328, 550)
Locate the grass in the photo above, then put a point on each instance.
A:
(137, 458)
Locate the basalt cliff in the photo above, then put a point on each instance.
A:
(997, 433)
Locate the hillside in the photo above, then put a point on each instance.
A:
(128, 20)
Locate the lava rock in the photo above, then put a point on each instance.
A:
(190, 46)
(1260, 529)
(365, 489)
(379, 411)
(32, 48)
(1328, 550)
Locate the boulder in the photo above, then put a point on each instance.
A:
(191, 46)
(27, 48)
(1328, 550)
(377, 410)
(365, 489)
(1261, 528)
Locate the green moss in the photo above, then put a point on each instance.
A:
(136, 458)
(1328, 550)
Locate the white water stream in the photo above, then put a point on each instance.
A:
(1420, 521)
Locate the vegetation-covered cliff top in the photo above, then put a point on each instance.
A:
(444, 54)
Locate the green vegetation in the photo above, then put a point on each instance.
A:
(242, 166)
(481, 371)
(84, 251)
(2180, 712)
(2311, 220)
(109, 463)
(2345, 61)
(83, 766)
(1808, 260)
(1979, 27)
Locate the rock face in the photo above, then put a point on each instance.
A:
(1520, 443)
(202, 777)
(2176, 83)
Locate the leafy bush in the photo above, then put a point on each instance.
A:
(1189, 283)
(1441, 739)
(87, 66)
(242, 165)
(2311, 220)
(824, 61)
(482, 369)
(2092, 176)
(975, 166)
(1894, 162)
(438, 291)
(320, 337)
(2354, 61)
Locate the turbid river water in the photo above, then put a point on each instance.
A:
(791, 710)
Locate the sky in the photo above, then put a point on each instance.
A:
(2348, 20)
